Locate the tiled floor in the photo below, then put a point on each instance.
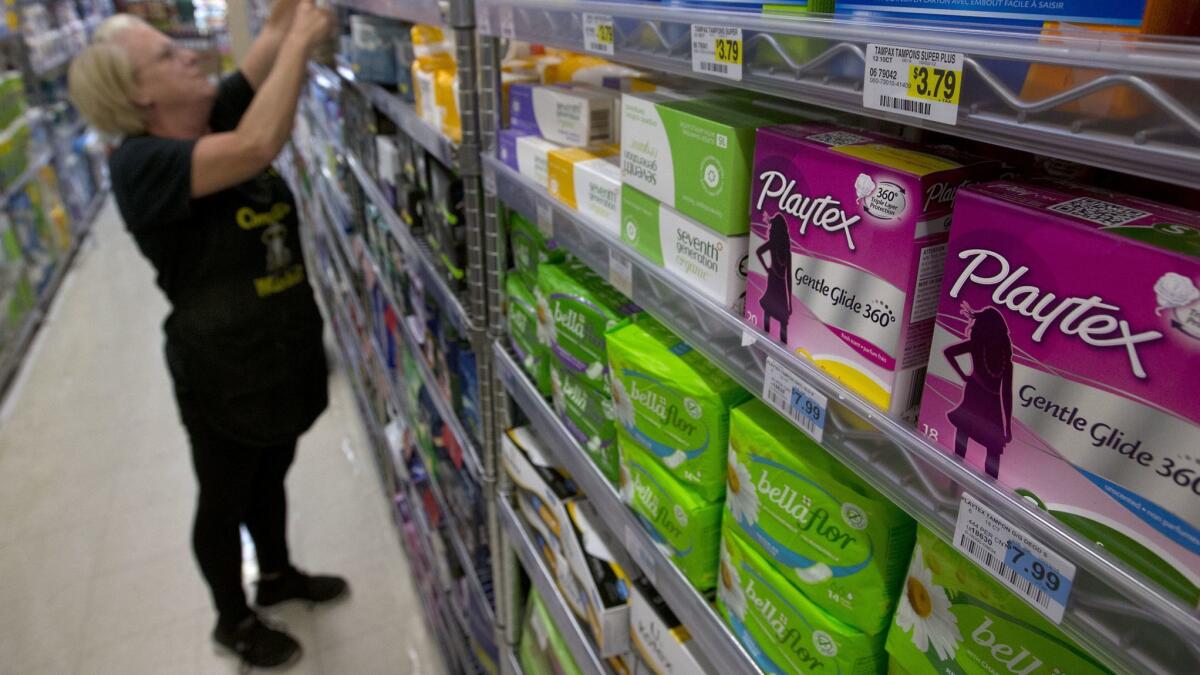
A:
(96, 493)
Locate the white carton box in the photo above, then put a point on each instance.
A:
(588, 180)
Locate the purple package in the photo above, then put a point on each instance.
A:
(506, 144)
(1065, 363)
(847, 235)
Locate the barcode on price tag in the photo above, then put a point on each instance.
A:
(923, 83)
(717, 50)
(1037, 574)
(545, 219)
(620, 273)
(598, 33)
(508, 27)
(804, 406)
(635, 543)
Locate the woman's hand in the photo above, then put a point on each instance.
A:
(312, 25)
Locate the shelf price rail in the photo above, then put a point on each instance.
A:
(1128, 621)
(821, 60)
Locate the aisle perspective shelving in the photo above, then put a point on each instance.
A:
(828, 70)
(1114, 610)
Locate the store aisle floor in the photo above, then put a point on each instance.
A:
(96, 496)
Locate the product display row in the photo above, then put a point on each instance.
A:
(52, 184)
(766, 379)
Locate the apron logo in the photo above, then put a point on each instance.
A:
(249, 219)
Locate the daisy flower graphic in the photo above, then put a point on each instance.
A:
(626, 488)
(741, 496)
(547, 333)
(729, 585)
(560, 405)
(924, 610)
(622, 405)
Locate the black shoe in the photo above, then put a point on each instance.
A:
(296, 585)
(257, 644)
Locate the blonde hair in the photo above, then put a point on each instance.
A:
(101, 81)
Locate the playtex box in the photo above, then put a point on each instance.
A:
(953, 617)
(831, 535)
(1065, 363)
(708, 261)
(848, 234)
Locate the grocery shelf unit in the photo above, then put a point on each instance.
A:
(466, 310)
(1127, 621)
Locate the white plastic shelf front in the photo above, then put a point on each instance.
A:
(405, 117)
(1130, 105)
(1113, 611)
(413, 11)
(578, 641)
(711, 636)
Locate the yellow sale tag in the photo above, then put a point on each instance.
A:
(942, 85)
(729, 50)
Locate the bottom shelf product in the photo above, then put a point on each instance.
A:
(659, 638)
(542, 650)
(953, 617)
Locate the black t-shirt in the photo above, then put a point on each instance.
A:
(244, 335)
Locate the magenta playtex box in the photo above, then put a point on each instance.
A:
(1066, 361)
(847, 235)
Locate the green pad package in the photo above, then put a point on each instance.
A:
(587, 413)
(683, 524)
(530, 247)
(782, 630)
(833, 536)
(673, 402)
(543, 651)
(953, 617)
(522, 331)
(575, 308)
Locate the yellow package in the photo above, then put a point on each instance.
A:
(585, 69)
(445, 96)
(560, 168)
(428, 40)
(424, 75)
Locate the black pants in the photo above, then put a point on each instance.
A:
(239, 484)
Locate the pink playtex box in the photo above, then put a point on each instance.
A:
(847, 236)
(1066, 359)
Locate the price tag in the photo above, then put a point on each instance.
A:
(489, 182)
(799, 402)
(635, 543)
(545, 219)
(923, 83)
(717, 50)
(1037, 574)
(508, 27)
(598, 33)
(620, 273)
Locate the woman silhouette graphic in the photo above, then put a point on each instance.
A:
(776, 302)
(984, 414)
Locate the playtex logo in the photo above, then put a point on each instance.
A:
(1179, 298)
(824, 212)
